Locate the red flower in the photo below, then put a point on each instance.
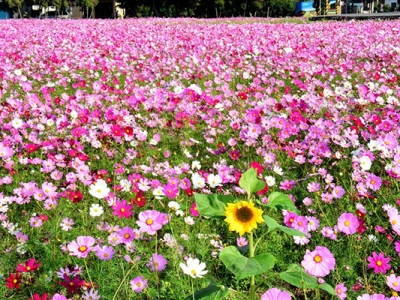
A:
(13, 281)
(75, 196)
(189, 192)
(139, 200)
(263, 191)
(257, 166)
(128, 130)
(242, 96)
(30, 265)
(73, 285)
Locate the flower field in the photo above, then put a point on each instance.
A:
(199, 159)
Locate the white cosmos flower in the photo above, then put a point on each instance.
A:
(189, 220)
(158, 193)
(194, 268)
(196, 165)
(373, 145)
(270, 180)
(96, 210)
(365, 163)
(198, 181)
(126, 185)
(278, 170)
(174, 205)
(99, 190)
(214, 180)
(17, 123)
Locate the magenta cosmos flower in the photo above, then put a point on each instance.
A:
(275, 294)
(379, 263)
(347, 223)
(138, 284)
(82, 246)
(319, 262)
(150, 221)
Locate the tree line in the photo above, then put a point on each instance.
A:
(173, 8)
(208, 8)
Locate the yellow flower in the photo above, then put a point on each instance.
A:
(243, 216)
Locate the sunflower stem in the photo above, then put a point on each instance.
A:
(252, 278)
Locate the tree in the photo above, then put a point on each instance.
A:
(87, 5)
(15, 6)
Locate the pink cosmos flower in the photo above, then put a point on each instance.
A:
(157, 263)
(340, 290)
(276, 294)
(319, 262)
(138, 284)
(393, 282)
(82, 246)
(347, 223)
(241, 241)
(105, 252)
(126, 234)
(379, 263)
(149, 221)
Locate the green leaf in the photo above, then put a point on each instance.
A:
(297, 276)
(212, 205)
(250, 183)
(277, 200)
(242, 266)
(212, 292)
(328, 288)
(272, 225)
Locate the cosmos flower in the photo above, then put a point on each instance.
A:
(157, 263)
(319, 262)
(276, 294)
(149, 221)
(194, 268)
(379, 263)
(30, 265)
(138, 284)
(82, 246)
(347, 223)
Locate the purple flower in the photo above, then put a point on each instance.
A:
(157, 263)
(287, 185)
(319, 262)
(138, 284)
(105, 252)
(127, 235)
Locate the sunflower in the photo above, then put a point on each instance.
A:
(243, 216)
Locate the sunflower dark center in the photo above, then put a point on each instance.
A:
(244, 214)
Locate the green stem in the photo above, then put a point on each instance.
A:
(252, 278)
(192, 288)
(122, 281)
(87, 271)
